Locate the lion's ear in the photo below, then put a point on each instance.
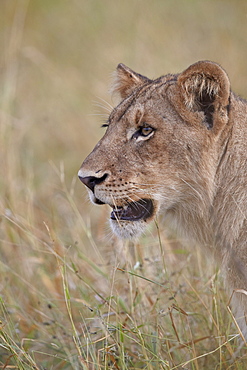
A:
(205, 87)
(127, 80)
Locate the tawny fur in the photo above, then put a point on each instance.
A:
(193, 165)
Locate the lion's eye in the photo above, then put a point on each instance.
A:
(145, 131)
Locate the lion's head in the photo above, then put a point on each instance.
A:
(161, 147)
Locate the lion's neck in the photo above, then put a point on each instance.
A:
(217, 220)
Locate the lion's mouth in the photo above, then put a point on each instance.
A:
(134, 211)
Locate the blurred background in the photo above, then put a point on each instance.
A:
(56, 63)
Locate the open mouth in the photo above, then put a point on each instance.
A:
(134, 211)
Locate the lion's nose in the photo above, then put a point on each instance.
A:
(91, 181)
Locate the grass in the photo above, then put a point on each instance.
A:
(72, 296)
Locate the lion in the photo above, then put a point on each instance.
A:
(177, 145)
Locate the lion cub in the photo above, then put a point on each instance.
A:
(178, 145)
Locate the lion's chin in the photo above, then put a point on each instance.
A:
(128, 229)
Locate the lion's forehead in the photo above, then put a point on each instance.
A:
(141, 98)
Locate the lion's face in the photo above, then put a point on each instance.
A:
(154, 153)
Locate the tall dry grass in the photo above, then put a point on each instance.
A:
(71, 295)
